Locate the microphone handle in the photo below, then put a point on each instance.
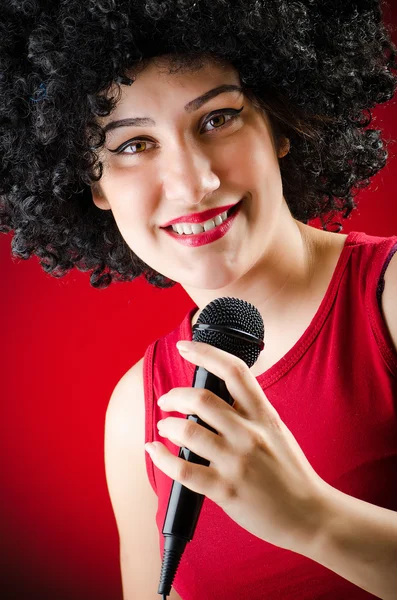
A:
(184, 505)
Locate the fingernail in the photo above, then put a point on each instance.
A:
(150, 448)
(184, 346)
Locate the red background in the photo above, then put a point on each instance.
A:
(64, 347)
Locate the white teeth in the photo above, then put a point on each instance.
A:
(189, 228)
(218, 219)
(196, 228)
(209, 225)
(178, 228)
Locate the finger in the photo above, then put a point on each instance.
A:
(195, 437)
(211, 409)
(198, 478)
(250, 400)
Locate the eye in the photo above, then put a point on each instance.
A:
(134, 144)
(230, 112)
(140, 142)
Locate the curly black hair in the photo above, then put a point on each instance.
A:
(316, 67)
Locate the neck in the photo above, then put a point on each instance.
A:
(279, 279)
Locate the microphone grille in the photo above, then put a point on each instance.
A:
(237, 314)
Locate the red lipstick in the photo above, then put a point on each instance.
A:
(200, 217)
(206, 237)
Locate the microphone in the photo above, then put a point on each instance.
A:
(235, 326)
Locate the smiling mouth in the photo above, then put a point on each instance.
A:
(230, 212)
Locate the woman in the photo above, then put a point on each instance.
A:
(119, 118)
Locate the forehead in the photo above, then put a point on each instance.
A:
(160, 82)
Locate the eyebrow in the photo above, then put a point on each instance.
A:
(189, 107)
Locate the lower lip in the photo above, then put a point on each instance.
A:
(206, 237)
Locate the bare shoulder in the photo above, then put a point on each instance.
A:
(389, 298)
(127, 405)
(133, 500)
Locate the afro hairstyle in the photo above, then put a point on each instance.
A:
(316, 67)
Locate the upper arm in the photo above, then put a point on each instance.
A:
(389, 298)
(133, 499)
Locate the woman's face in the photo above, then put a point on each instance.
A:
(177, 161)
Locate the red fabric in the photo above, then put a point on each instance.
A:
(336, 390)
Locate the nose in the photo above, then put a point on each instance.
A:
(188, 176)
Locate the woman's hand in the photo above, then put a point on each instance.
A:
(258, 473)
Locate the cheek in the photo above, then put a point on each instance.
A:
(131, 199)
(264, 172)
(263, 161)
(252, 161)
(133, 223)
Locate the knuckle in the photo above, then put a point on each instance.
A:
(239, 368)
(262, 441)
(249, 444)
(253, 441)
(205, 398)
(273, 422)
(184, 471)
(249, 440)
(190, 429)
(229, 491)
(269, 417)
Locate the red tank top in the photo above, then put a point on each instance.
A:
(336, 390)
